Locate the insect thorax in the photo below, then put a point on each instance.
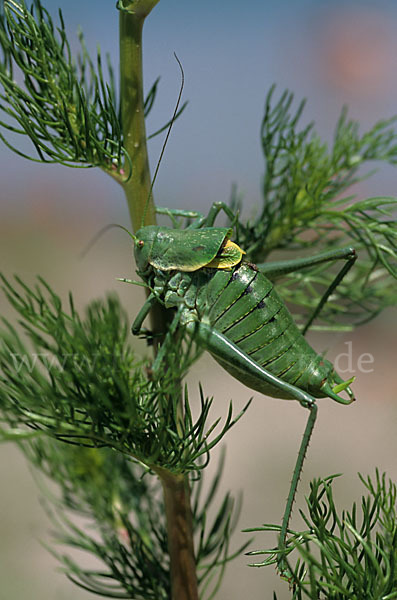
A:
(184, 290)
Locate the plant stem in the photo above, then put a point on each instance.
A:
(137, 188)
(180, 537)
(142, 212)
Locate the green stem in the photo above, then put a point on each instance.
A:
(137, 188)
(142, 213)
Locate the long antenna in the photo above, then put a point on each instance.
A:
(166, 138)
(100, 233)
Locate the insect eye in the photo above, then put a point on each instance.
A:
(141, 243)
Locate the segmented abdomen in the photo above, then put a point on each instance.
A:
(243, 305)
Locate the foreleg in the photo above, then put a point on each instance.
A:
(173, 213)
(199, 220)
(143, 313)
(209, 220)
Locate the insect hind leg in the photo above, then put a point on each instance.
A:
(221, 347)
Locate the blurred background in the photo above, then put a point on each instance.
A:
(332, 52)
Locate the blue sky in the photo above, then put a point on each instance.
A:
(231, 52)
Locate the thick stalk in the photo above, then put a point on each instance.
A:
(137, 188)
(142, 212)
(180, 537)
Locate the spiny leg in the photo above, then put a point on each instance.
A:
(199, 220)
(280, 268)
(284, 571)
(172, 213)
(143, 313)
(275, 269)
(334, 284)
(215, 209)
(222, 348)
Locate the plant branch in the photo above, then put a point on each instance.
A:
(180, 537)
(142, 213)
(137, 187)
